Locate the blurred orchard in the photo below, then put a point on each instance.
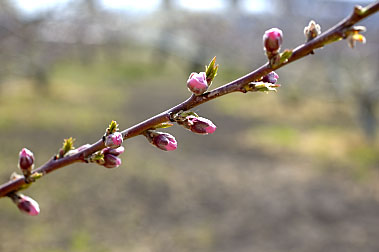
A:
(295, 170)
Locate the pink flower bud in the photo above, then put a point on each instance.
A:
(114, 152)
(165, 141)
(200, 125)
(27, 205)
(197, 83)
(111, 161)
(26, 161)
(271, 77)
(272, 40)
(113, 140)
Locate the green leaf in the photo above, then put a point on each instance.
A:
(284, 56)
(68, 144)
(36, 175)
(163, 125)
(188, 113)
(265, 87)
(211, 70)
(97, 157)
(112, 128)
(24, 187)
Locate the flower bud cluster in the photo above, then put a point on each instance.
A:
(108, 157)
(111, 159)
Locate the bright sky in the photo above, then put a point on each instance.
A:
(36, 5)
(30, 6)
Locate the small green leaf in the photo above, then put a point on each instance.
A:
(97, 157)
(68, 144)
(163, 125)
(36, 175)
(248, 87)
(24, 186)
(210, 67)
(284, 56)
(265, 87)
(211, 70)
(113, 127)
(188, 113)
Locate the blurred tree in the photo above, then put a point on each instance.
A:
(234, 5)
(167, 5)
(20, 46)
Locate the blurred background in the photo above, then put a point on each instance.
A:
(295, 170)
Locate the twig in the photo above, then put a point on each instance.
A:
(243, 84)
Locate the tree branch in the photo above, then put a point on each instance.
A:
(243, 84)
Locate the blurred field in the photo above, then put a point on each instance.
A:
(285, 171)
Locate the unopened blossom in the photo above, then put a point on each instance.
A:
(111, 161)
(27, 205)
(271, 77)
(197, 83)
(200, 125)
(272, 40)
(117, 151)
(165, 141)
(26, 161)
(114, 140)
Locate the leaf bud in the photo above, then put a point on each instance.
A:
(312, 30)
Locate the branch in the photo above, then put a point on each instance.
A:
(250, 82)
